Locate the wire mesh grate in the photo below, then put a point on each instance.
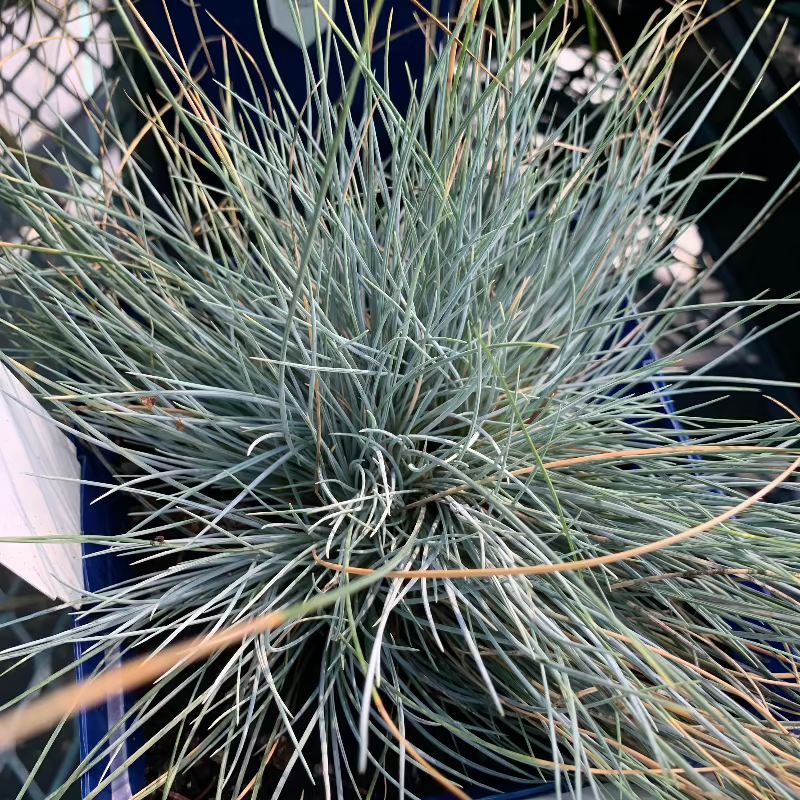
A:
(51, 59)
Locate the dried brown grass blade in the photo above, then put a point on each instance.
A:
(472, 55)
(413, 752)
(609, 455)
(36, 717)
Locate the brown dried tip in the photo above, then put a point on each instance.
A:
(149, 402)
(179, 426)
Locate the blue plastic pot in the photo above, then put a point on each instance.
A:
(522, 794)
(100, 570)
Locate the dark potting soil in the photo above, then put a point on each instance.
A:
(199, 782)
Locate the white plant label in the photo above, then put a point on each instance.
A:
(282, 17)
(35, 501)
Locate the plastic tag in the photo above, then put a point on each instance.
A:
(35, 500)
(281, 15)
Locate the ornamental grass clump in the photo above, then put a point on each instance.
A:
(387, 397)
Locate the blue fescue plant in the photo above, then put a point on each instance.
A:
(385, 379)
